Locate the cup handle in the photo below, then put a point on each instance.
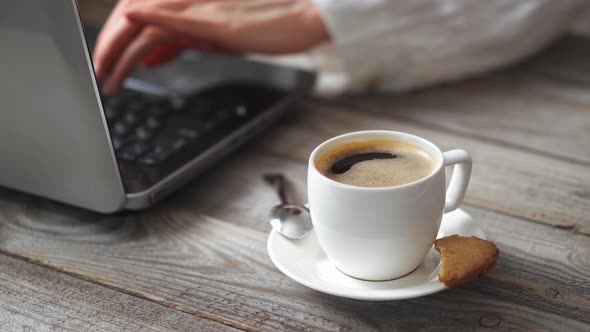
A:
(459, 179)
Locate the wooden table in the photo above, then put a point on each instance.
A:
(198, 261)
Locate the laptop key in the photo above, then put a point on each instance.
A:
(153, 159)
(241, 111)
(188, 133)
(153, 123)
(148, 160)
(144, 133)
(138, 147)
(162, 151)
(121, 129)
(131, 118)
(117, 143)
(127, 155)
(133, 150)
(179, 144)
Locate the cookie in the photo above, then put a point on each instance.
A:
(464, 259)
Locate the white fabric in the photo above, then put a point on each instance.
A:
(403, 44)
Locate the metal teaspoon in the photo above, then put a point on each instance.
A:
(290, 220)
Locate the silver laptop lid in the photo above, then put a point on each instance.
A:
(53, 137)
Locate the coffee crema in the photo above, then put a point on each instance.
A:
(376, 163)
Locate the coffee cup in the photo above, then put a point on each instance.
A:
(383, 232)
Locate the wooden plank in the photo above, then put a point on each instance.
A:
(37, 299)
(234, 190)
(563, 71)
(176, 256)
(510, 108)
(249, 202)
(504, 179)
(552, 264)
(541, 105)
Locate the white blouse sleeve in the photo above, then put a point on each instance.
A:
(403, 44)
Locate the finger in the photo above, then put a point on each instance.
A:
(119, 30)
(100, 44)
(163, 54)
(192, 27)
(111, 43)
(136, 50)
(166, 53)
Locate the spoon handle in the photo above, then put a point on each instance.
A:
(278, 182)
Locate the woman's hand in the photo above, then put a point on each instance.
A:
(121, 42)
(156, 30)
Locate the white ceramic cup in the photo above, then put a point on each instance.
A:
(383, 233)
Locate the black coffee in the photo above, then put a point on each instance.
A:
(344, 164)
(378, 163)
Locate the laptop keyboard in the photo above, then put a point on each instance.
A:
(143, 129)
(154, 135)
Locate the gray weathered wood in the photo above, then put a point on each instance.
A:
(561, 72)
(34, 298)
(542, 105)
(202, 253)
(176, 256)
(248, 204)
(504, 179)
(506, 108)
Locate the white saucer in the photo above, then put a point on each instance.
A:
(305, 262)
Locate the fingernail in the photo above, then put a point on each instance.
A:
(97, 73)
(108, 87)
(131, 15)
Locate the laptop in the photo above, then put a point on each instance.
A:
(60, 139)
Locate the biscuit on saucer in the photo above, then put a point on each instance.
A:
(464, 259)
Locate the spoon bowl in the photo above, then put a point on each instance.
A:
(291, 220)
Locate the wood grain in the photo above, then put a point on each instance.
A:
(507, 108)
(38, 299)
(562, 72)
(176, 256)
(541, 105)
(504, 179)
(244, 204)
(202, 252)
